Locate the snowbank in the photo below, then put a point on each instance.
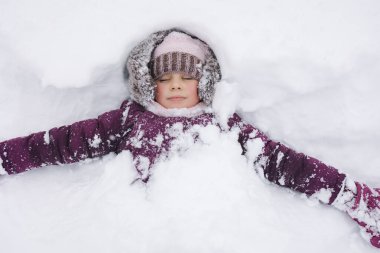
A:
(307, 75)
(200, 200)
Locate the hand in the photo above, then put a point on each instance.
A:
(362, 203)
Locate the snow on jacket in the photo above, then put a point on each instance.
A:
(150, 137)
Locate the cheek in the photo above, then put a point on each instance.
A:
(159, 92)
(194, 89)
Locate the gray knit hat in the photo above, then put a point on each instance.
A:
(177, 62)
(139, 70)
(179, 53)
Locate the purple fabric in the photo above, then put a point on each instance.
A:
(371, 199)
(288, 168)
(148, 137)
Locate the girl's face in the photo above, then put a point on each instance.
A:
(177, 90)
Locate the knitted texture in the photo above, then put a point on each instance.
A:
(177, 62)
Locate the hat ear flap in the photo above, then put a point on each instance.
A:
(137, 70)
(211, 75)
(125, 74)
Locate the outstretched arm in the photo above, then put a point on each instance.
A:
(286, 167)
(67, 144)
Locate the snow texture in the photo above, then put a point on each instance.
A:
(2, 170)
(95, 142)
(46, 138)
(225, 101)
(307, 74)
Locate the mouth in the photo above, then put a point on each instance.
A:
(176, 98)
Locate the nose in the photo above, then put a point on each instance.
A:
(176, 85)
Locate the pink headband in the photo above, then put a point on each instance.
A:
(180, 42)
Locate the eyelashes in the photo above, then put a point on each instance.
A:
(183, 78)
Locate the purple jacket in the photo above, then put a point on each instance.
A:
(149, 136)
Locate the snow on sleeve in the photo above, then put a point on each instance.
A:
(279, 158)
(157, 141)
(2, 170)
(345, 197)
(362, 208)
(46, 137)
(136, 141)
(126, 112)
(254, 149)
(95, 142)
(323, 195)
(278, 161)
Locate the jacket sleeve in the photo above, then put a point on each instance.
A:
(285, 167)
(67, 144)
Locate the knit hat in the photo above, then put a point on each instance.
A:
(178, 53)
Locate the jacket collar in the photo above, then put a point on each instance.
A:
(196, 110)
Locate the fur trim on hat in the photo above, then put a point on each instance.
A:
(138, 70)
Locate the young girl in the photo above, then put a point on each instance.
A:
(172, 76)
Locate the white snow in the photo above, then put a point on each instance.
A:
(157, 141)
(2, 170)
(95, 142)
(46, 137)
(279, 158)
(323, 195)
(225, 101)
(306, 72)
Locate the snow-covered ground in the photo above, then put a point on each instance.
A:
(306, 72)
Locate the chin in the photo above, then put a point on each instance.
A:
(179, 104)
(177, 107)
